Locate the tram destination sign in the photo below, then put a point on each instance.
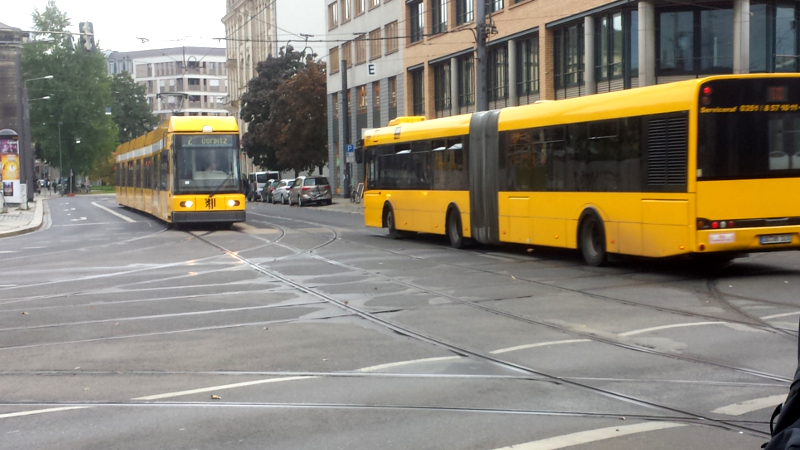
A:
(224, 140)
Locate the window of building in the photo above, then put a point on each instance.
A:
(496, 5)
(528, 69)
(441, 89)
(466, 84)
(694, 41)
(464, 11)
(375, 44)
(392, 97)
(418, 92)
(438, 16)
(347, 53)
(374, 3)
(361, 7)
(362, 99)
(344, 8)
(333, 16)
(333, 59)
(498, 75)
(376, 104)
(335, 101)
(774, 36)
(568, 71)
(609, 40)
(416, 14)
(361, 49)
(391, 37)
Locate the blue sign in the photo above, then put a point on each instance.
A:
(351, 154)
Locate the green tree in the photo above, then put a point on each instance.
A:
(131, 112)
(266, 107)
(79, 93)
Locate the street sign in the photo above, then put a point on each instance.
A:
(351, 153)
(372, 70)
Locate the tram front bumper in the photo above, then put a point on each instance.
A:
(208, 217)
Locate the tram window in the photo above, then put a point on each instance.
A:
(164, 170)
(147, 173)
(155, 172)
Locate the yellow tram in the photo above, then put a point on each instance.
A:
(184, 171)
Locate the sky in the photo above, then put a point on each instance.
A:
(156, 24)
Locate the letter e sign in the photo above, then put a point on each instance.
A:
(371, 71)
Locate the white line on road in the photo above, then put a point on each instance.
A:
(780, 315)
(584, 437)
(737, 409)
(664, 327)
(114, 212)
(219, 388)
(541, 344)
(40, 411)
(405, 363)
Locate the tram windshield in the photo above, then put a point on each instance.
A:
(207, 163)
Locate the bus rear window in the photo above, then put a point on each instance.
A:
(749, 129)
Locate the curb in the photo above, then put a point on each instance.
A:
(35, 224)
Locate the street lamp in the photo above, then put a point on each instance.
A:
(28, 159)
(60, 161)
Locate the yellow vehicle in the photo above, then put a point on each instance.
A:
(701, 166)
(185, 171)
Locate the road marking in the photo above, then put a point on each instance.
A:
(404, 363)
(114, 212)
(737, 409)
(9, 251)
(76, 220)
(219, 388)
(40, 411)
(541, 344)
(780, 315)
(664, 327)
(584, 437)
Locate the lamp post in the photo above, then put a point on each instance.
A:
(28, 158)
(60, 161)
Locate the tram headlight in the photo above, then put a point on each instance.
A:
(233, 202)
(187, 204)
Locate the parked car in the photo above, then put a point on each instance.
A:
(269, 189)
(258, 180)
(306, 190)
(281, 191)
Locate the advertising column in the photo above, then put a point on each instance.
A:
(9, 163)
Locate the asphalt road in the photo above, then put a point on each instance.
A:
(303, 329)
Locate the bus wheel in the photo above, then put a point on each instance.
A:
(454, 229)
(390, 224)
(593, 240)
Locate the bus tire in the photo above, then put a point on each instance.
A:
(454, 228)
(592, 240)
(390, 224)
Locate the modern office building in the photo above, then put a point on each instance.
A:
(367, 34)
(192, 81)
(251, 35)
(556, 49)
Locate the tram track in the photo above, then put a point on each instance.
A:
(464, 351)
(581, 334)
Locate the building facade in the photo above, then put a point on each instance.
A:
(252, 35)
(367, 34)
(556, 49)
(192, 81)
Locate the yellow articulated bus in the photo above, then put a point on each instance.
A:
(706, 166)
(185, 171)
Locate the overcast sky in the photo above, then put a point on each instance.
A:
(164, 23)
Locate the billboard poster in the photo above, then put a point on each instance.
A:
(9, 147)
(9, 170)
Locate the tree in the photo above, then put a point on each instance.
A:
(79, 94)
(130, 112)
(285, 109)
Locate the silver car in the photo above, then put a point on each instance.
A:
(281, 192)
(306, 190)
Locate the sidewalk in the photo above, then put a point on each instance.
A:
(341, 204)
(18, 221)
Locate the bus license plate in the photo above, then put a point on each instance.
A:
(775, 239)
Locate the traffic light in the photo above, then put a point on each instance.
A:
(86, 40)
